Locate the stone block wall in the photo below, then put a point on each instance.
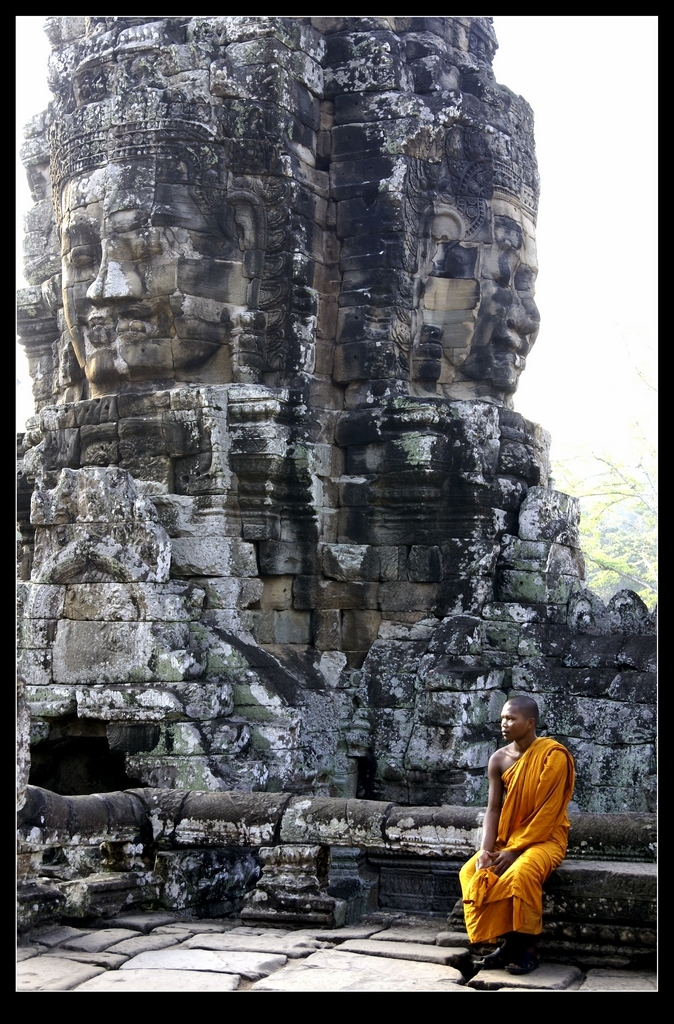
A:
(434, 704)
(210, 660)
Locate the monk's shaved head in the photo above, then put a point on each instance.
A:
(527, 705)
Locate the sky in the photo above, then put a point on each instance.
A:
(591, 80)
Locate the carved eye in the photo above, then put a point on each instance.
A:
(524, 279)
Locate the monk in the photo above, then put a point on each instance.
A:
(524, 839)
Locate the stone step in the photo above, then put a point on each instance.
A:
(553, 977)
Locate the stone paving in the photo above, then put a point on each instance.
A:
(161, 952)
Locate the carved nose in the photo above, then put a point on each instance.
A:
(520, 322)
(115, 281)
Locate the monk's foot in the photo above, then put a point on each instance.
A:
(494, 962)
(526, 963)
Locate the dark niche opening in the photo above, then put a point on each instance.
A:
(366, 767)
(75, 760)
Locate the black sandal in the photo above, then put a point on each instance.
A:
(495, 961)
(529, 962)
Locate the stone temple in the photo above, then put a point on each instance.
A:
(286, 545)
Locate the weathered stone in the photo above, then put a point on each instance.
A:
(626, 612)
(51, 936)
(145, 922)
(441, 830)
(27, 953)
(212, 556)
(288, 532)
(277, 592)
(40, 601)
(158, 980)
(554, 977)
(35, 665)
(185, 929)
(535, 587)
(95, 522)
(405, 597)
(356, 968)
(247, 965)
(598, 980)
(268, 942)
(36, 634)
(290, 627)
(111, 961)
(609, 891)
(336, 935)
(99, 940)
(53, 974)
(402, 950)
(359, 629)
(133, 702)
(541, 556)
(319, 979)
(142, 944)
(549, 515)
(458, 939)
(164, 602)
(412, 933)
(116, 652)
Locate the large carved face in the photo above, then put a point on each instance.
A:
(507, 319)
(479, 318)
(153, 288)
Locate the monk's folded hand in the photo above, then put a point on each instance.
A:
(502, 860)
(485, 859)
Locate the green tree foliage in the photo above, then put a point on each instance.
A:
(618, 525)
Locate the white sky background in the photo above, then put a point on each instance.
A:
(592, 84)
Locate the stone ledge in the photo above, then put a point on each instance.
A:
(446, 830)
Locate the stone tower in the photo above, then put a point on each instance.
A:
(282, 528)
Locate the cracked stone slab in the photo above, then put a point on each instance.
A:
(265, 943)
(382, 967)
(180, 930)
(53, 974)
(144, 944)
(28, 952)
(246, 929)
(453, 939)
(144, 923)
(193, 927)
(50, 936)
(248, 965)
(161, 981)
(300, 978)
(427, 936)
(599, 980)
(111, 961)
(94, 942)
(334, 936)
(554, 977)
(400, 950)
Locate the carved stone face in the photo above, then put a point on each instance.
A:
(153, 289)
(507, 319)
(479, 318)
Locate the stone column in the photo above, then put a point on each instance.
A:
(293, 888)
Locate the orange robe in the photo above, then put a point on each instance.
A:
(534, 820)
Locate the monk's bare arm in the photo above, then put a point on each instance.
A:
(491, 818)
